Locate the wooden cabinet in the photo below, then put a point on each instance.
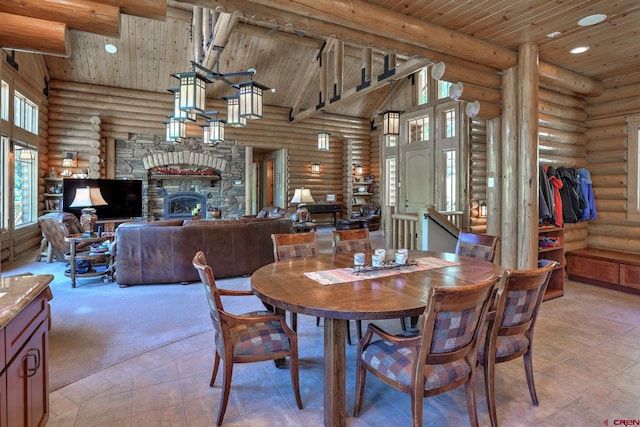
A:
(551, 246)
(53, 195)
(24, 386)
(611, 269)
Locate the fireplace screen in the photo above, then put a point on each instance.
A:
(185, 205)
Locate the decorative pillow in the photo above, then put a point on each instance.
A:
(262, 214)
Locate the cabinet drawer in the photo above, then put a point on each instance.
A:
(630, 275)
(22, 326)
(595, 269)
(3, 361)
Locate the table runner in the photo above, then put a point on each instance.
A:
(349, 274)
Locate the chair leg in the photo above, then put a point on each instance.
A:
(528, 369)
(490, 389)
(294, 321)
(361, 373)
(348, 332)
(359, 329)
(317, 321)
(227, 372)
(295, 381)
(417, 400)
(469, 389)
(216, 363)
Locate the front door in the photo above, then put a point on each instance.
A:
(419, 184)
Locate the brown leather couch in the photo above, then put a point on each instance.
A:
(162, 251)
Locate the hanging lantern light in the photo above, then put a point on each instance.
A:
(192, 90)
(176, 130)
(179, 114)
(233, 112)
(323, 137)
(391, 123)
(250, 97)
(216, 131)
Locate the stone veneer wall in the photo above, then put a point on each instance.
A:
(226, 194)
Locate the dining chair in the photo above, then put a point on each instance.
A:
(481, 246)
(344, 241)
(251, 337)
(440, 357)
(509, 329)
(295, 245)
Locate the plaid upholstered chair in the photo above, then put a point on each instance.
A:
(356, 240)
(510, 328)
(442, 357)
(481, 246)
(250, 337)
(295, 245)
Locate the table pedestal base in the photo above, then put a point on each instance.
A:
(335, 331)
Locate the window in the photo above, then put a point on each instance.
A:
(633, 178)
(419, 130)
(25, 181)
(391, 180)
(449, 120)
(423, 86)
(450, 181)
(25, 113)
(443, 89)
(4, 107)
(4, 149)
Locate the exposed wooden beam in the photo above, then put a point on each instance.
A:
(350, 20)
(82, 15)
(33, 35)
(403, 70)
(152, 9)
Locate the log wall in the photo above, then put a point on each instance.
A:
(477, 173)
(607, 157)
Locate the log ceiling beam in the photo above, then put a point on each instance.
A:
(33, 35)
(354, 19)
(405, 69)
(89, 16)
(151, 9)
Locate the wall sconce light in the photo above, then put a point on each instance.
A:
(315, 167)
(323, 137)
(358, 170)
(69, 161)
(483, 209)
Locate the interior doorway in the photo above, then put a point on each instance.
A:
(268, 186)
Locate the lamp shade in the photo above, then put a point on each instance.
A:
(302, 195)
(26, 155)
(178, 113)
(315, 167)
(67, 163)
(233, 112)
(88, 196)
(216, 131)
(192, 91)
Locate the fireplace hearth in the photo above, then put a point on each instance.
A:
(184, 205)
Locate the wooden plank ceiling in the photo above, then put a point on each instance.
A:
(283, 40)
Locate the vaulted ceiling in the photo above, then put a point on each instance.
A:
(284, 40)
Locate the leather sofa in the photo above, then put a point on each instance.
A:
(162, 251)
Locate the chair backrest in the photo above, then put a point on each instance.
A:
(481, 246)
(452, 321)
(354, 240)
(213, 294)
(55, 227)
(295, 245)
(517, 309)
(369, 210)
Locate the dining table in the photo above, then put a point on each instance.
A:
(332, 287)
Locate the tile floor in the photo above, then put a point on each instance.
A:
(586, 364)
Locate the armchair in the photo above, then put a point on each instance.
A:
(370, 213)
(55, 227)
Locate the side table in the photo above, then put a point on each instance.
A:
(103, 260)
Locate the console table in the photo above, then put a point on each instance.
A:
(319, 208)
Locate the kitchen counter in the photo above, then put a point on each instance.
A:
(18, 291)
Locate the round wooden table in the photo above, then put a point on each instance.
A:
(403, 294)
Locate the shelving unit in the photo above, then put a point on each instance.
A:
(555, 253)
(52, 200)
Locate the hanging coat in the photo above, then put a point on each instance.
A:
(589, 212)
(556, 185)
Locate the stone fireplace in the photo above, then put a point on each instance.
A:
(185, 205)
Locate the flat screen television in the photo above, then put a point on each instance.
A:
(123, 197)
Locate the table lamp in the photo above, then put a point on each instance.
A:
(86, 198)
(301, 196)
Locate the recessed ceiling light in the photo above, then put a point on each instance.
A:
(592, 19)
(554, 34)
(580, 49)
(110, 48)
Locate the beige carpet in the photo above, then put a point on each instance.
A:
(97, 325)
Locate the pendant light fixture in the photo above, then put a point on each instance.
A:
(250, 98)
(233, 112)
(391, 118)
(323, 137)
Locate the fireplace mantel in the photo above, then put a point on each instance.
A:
(178, 177)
